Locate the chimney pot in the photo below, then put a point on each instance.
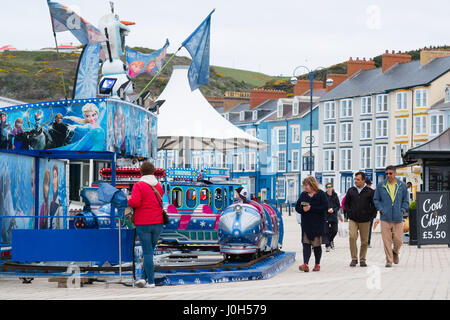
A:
(393, 51)
(387, 51)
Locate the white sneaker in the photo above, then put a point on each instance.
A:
(140, 283)
(149, 285)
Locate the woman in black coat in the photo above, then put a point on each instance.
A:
(332, 215)
(313, 206)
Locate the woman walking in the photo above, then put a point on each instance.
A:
(332, 216)
(146, 200)
(313, 206)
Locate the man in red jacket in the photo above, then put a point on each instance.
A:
(146, 199)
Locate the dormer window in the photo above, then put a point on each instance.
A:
(295, 108)
(279, 111)
(227, 116)
(447, 94)
(255, 115)
(242, 116)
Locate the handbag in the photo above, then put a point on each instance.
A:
(164, 213)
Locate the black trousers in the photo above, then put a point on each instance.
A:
(331, 230)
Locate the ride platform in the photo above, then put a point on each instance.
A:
(261, 269)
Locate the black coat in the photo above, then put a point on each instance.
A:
(313, 221)
(360, 206)
(334, 204)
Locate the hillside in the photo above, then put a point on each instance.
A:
(36, 76)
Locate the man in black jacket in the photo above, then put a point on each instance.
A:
(361, 210)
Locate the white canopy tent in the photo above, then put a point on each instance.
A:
(187, 121)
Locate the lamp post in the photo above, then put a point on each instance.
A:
(294, 81)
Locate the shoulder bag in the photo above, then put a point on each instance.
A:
(164, 213)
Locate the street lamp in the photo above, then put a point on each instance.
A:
(294, 81)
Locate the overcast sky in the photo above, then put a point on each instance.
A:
(269, 36)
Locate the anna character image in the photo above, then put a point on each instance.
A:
(45, 208)
(135, 68)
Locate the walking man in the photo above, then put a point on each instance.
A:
(392, 200)
(361, 210)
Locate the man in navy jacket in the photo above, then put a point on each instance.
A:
(392, 200)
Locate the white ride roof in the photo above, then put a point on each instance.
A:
(187, 120)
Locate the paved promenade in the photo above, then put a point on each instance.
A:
(422, 274)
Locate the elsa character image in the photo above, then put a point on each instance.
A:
(93, 135)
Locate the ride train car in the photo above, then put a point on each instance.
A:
(193, 201)
(250, 229)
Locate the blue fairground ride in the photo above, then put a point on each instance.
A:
(40, 234)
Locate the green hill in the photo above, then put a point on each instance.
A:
(36, 76)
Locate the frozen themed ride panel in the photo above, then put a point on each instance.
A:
(87, 125)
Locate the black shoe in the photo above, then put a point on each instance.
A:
(353, 263)
(363, 264)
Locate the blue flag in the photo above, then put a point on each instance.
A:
(140, 62)
(198, 46)
(64, 19)
(87, 77)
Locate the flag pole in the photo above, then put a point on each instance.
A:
(159, 72)
(62, 70)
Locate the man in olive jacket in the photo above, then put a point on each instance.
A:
(360, 210)
(392, 200)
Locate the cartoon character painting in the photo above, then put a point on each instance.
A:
(56, 208)
(135, 68)
(93, 135)
(59, 133)
(45, 209)
(5, 132)
(19, 137)
(151, 67)
(38, 137)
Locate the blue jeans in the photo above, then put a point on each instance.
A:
(148, 235)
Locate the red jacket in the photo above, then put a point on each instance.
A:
(147, 208)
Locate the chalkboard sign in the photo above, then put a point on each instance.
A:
(433, 218)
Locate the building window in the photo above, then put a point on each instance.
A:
(255, 115)
(382, 103)
(381, 154)
(366, 129)
(330, 110)
(382, 128)
(308, 163)
(346, 159)
(251, 132)
(250, 161)
(295, 134)
(402, 101)
(242, 116)
(329, 160)
(421, 98)
(366, 157)
(281, 135)
(281, 188)
(280, 111)
(295, 160)
(346, 108)
(237, 162)
(281, 161)
(295, 108)
(401, 126)
(346, 132)
(366, 105)
(399, 148)
(420, 125)
(437, 124)
(330, 133)
(227, 116)
(219, 159)
(447, 94)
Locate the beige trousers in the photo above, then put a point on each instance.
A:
(391, 231)
(363, 228)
